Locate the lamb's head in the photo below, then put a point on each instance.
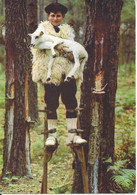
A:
(36, 38)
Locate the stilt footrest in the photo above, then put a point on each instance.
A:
(49, 131)
(49, 150)
(75, 131)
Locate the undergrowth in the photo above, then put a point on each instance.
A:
(123, 169)
(123, 179)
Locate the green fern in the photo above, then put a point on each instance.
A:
(123, 178)
(108, 160)
(118, 165)
(130, 173)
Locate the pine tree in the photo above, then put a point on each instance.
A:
(98, 91)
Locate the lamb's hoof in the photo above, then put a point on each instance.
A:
(69, 78)
(54, 56)
(48, 79)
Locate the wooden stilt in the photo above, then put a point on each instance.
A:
(48, 152)
(79, 150)
(45, 166)
(82, 157)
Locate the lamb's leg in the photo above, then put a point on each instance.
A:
(76, 66)
(45, 45)
(53, 52)
(49, 68)
(55, 43)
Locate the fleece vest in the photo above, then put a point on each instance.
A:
(61, 65)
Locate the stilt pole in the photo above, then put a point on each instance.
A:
(45, 165)
(82, 157)
(79, 150)
(48, 152)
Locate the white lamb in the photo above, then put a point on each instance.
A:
(40, 40)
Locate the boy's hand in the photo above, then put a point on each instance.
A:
(62, 51)
(70, 56)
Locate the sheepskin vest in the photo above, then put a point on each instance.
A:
(61, 65)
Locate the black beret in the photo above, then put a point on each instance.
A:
(56, 7)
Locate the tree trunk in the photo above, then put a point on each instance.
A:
(15, 147)
(31, 106)
(98, 91)
(41, 9)
(1, 7)
(32, 87)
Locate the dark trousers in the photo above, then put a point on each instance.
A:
(67, 90)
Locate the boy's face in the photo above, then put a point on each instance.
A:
(55, 18)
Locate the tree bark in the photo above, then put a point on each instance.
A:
(31, 105)
(15, 147)
(32, 87)
(1, 7)
(41, 9)
(98, 116)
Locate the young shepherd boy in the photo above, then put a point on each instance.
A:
(61, 66)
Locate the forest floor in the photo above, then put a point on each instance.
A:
(60, 172)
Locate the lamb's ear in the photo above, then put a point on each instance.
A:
(30, 34)
(41, 33)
